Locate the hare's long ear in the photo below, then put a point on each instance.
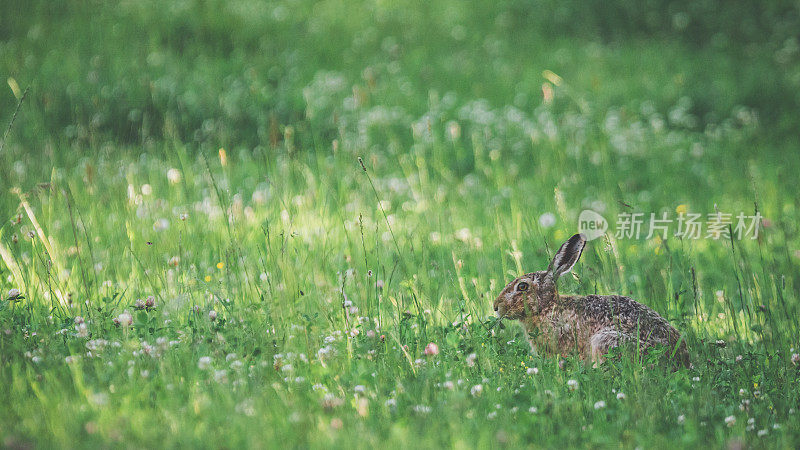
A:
(567, 256)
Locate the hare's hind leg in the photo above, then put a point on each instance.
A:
(602, 341)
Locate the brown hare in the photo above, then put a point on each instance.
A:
(588, 325)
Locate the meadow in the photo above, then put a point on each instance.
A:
(244, 223)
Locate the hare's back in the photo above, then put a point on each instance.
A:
(628, 315)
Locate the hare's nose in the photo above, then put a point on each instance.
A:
(495, 308)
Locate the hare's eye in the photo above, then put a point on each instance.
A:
(522, 286)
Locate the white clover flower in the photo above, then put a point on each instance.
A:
(174, 175)
(246, 407)
(547, 220)
(212, 315)
(448, 385)
(533, 410)
(762, 433)
(82, 329)
(471, 358)
(125, 319)
(324, 351)
(572, 384)
(422, 409)
(476, 390)
(795, 358)
(204, 362)
(259, 197)
(161, 224)
(744, 405)
(492, 415)
(99, 399)
(463, 234)
(13, 294)
(681, 419)
(221, 376)
(599, 404)
(730, 421)
(621, 396)
(391, 403)
(532, 370)
(359, 389)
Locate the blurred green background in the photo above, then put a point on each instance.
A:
(213, 73)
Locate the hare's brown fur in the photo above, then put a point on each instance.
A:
(587, 325)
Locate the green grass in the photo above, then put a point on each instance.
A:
(115, 188)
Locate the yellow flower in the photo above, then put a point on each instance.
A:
(223, 157)
(220, 265)
(682, 209)
(208, 278)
